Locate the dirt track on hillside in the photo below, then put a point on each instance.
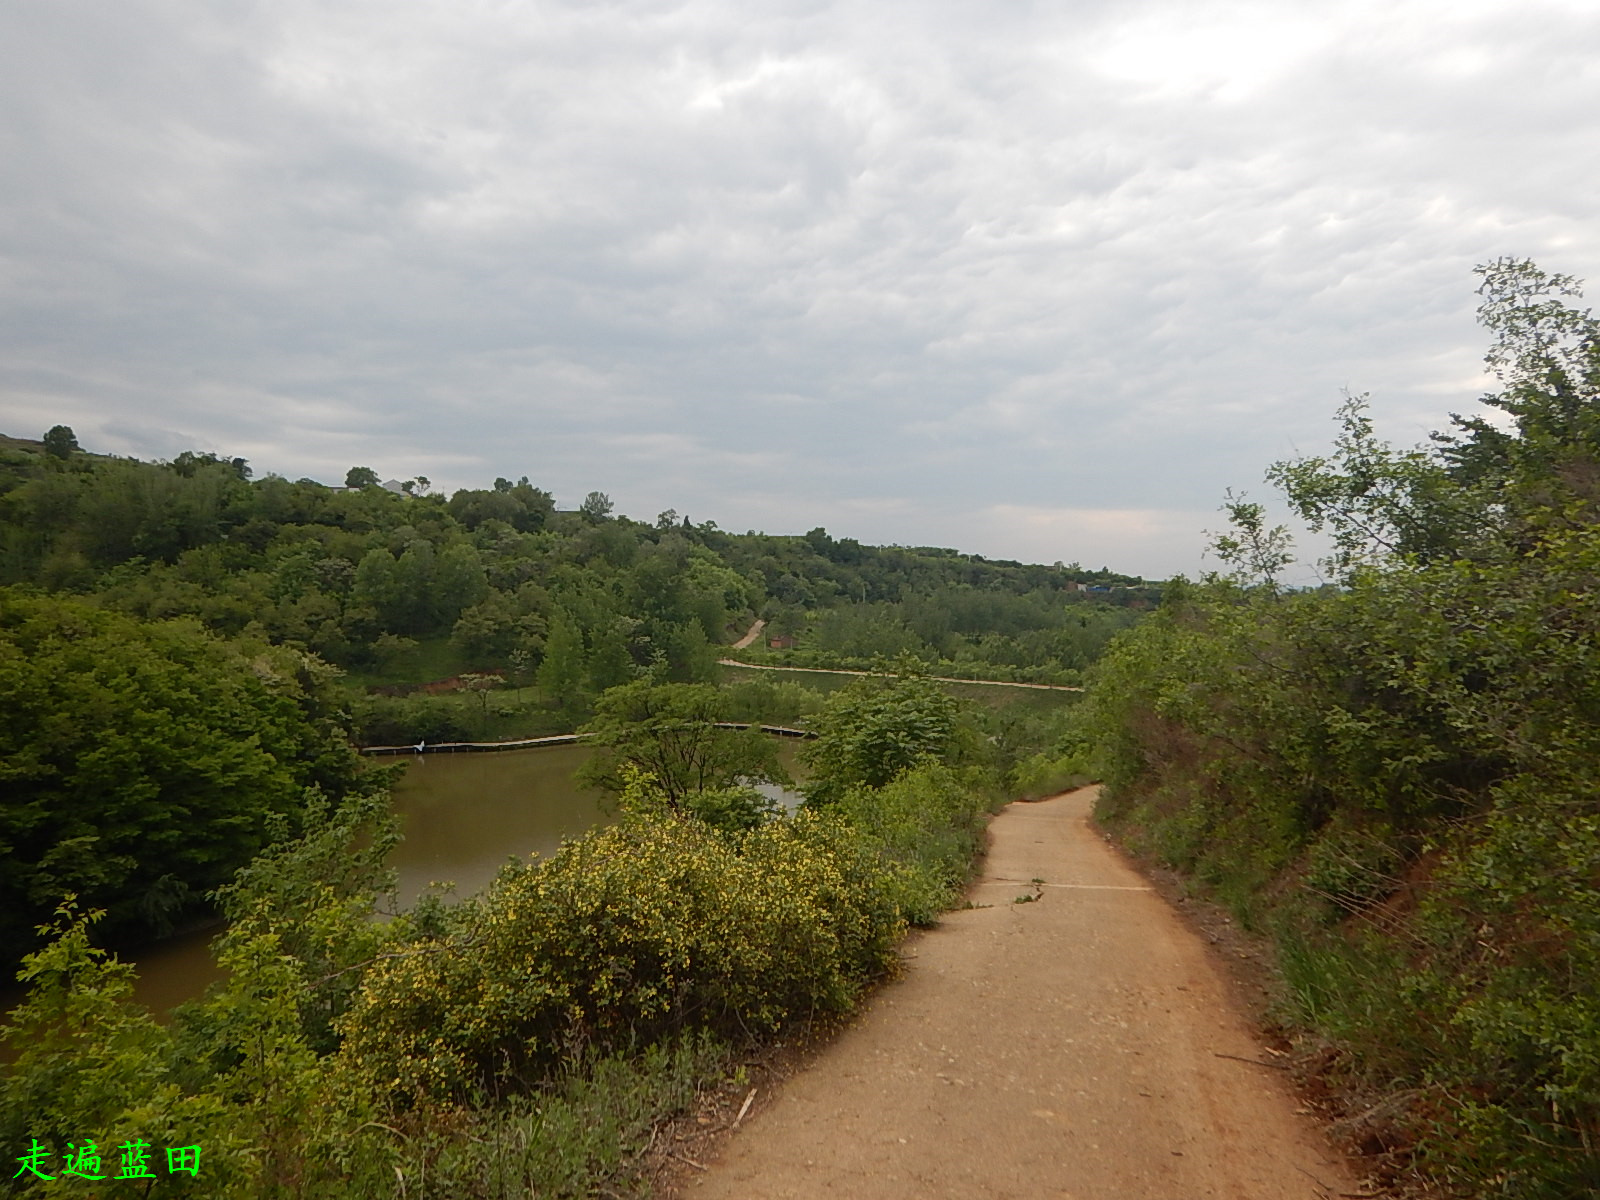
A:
(750, 636)
(1080, 1046)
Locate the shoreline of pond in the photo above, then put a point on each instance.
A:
(462, 819)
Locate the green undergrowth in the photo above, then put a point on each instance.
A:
(1428, 875)
(1394, 775)
(528, 1041)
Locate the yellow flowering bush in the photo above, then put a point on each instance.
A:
(652, 927)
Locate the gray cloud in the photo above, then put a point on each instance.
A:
(1037, 281)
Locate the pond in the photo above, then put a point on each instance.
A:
(461, 816)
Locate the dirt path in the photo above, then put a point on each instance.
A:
(750, 635)
(1078, 1047)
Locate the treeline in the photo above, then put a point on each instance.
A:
(407, 586)
(1396, 775)
(527, 1041)
(1030, 637)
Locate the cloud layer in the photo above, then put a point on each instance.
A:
(1036, 281)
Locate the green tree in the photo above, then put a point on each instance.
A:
(61, 442)
(610, 663)
(143, 763)
(1380, 505)
(873, 730)
(561, 674)
(457, 582)
(486, 633)
(596, 507)
(378, 584)
(684, 653)
(1256, 553)
(669, 731)
(360, 477)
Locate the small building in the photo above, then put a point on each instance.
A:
(783, 641)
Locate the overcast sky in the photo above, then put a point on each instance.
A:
(1031, 280)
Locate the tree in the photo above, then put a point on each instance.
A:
(1255, 552)
(486, 632)
(610, 662)
(669, 731)
(562, 671)
(1482, 490)
(1544, 471)
(596, 507)
(873, 730)
(60, 442)
(144, 762)
(360, 477)
(1379, 504)
(520, 506)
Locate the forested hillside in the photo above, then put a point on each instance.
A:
(1397, 775)
(498, 578)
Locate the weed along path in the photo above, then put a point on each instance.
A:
(1077, 1046)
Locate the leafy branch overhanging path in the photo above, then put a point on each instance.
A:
(1078, 1045)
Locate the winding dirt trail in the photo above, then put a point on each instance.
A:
(1079, 1047)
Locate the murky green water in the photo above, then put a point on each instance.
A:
(462, 816)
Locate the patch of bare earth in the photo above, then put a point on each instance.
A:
(1069, 1036)
(750, 636)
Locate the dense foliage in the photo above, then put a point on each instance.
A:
(632, 934)
(671, 733)
(876, 729)
(144, 762)
(1396, 774)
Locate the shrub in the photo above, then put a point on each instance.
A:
(927, 825)
(650, 928)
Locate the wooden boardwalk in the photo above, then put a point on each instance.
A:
(556, 739)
